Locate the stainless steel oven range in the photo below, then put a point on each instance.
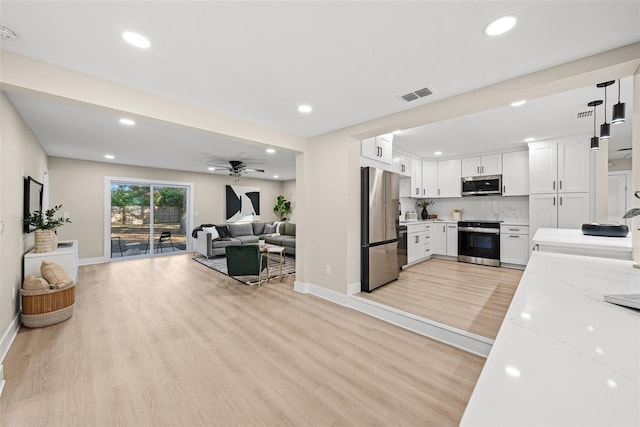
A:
(479, 242)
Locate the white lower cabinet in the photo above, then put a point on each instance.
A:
(444, 238)
(514, 244)
(452, 239)
(418, 242)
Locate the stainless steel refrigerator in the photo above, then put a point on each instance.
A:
(380, 210)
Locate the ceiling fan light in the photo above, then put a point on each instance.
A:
(595, 143)
(618, 113)
(605, 130)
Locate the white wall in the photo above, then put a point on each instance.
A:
(289, 193)
(79, 186)
(20, 155)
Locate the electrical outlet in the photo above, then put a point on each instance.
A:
(327, 269)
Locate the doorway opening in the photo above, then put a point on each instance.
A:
(147, 218)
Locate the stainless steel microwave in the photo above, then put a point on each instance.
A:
(481, 185)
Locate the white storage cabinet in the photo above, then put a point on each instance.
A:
(514, 244)
(378, 148)
(482, 165)
(401, 164)
(66, 257)
(515, 173)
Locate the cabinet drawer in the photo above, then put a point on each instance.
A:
(514, 229)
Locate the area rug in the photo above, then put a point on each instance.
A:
(220, 264)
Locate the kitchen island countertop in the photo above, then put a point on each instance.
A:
(564, 356)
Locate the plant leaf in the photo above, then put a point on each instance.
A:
(631, 213)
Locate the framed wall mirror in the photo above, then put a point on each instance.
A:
(32, 200)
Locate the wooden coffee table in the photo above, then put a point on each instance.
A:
(267, 249)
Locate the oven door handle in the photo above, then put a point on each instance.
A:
(479, 230)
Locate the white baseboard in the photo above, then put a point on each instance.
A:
(319, 291)
(455, 337)
(90, 261)
(354, 288)
(5, 345)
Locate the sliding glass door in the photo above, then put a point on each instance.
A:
(148, 219)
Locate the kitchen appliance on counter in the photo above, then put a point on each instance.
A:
(380, 197)
(479, 242)
(481, 185)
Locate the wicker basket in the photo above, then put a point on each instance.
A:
(45, 241)
(44, 308)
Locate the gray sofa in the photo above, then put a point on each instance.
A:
(243, 234)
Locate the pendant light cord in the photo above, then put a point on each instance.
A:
(594, 120)
(605, 104)
(618, 91)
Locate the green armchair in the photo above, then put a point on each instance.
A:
(245, 260)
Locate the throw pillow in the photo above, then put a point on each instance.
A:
(279, 227)
(213, 231)
(269, 228)
(223, 231)
(55, 275)
(33, 283)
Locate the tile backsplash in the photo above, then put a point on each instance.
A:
(498, 208)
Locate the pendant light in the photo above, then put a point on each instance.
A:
(595, 141)
(618, 109)
(605, 128)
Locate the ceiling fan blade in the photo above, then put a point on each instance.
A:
(254, 170)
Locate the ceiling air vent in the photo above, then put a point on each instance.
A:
(583, 114)
(420, 93)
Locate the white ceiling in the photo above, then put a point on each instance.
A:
(349, 60)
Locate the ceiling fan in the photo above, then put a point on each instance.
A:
(236, 168)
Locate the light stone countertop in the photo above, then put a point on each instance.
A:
(563, 356)
(574, 237)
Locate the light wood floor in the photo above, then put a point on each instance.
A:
(471, 297)
(164, 342)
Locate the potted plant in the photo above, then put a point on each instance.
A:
(46, 224)
(633, 211)
(282, 208)
(423, 204)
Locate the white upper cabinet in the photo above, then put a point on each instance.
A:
(378, 148)
(449, 178)
(430, 179)
(515, 174)
(401, 164)
(559, 167)
(573, 167)
(416, 178)
(543, 167)
(482, 165)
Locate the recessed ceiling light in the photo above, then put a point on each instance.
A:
(437, 153)
(109, 156)
(127, 122)
(211, 168)
(500, 25)
(529, 139)
(305, 108)
(275, 176)
(137, 40)
(519, 103)
(270, 150)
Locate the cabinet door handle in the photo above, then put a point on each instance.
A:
(453, 226)
(424, 191)
(560, 201)
(482, 169)
(417, 239)
(438, 191)
(477, 169)
(504, 188)
(514, 229)
(516, 237)
(554, 185)
(554, 201)
(561, 184)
